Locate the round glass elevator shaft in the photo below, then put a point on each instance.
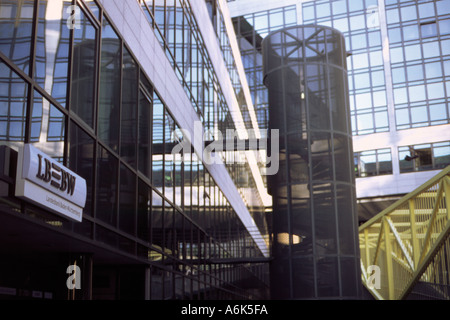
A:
(315, 238)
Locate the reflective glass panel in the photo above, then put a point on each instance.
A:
(109, 100)
(398, 75)
(169, 161)
(435, 90)
(157, 143)
(13, 105)
(381, 121)
(415, 72)
(413, 52)
(83, 71)
(441, 154)
(339, 6)
(431, 49)
(444, 26)
(410, 33)
(408, 13)
(128, 121)
(81, 160)
(394, 35)
(396, 55)
(443, 7)
(52, 47)
(400, 95)
(127, 200)
(392, 16)
(107, 181)
(378, 78)
(416, 93)
(433, 70)
(384, 161)
(144, 135)
(144, 211)
(16, 20)
(419, 114)
(426, 10)
(357, 22)
(402, 116)
(438, 112)
(368, 163)
(323, 10)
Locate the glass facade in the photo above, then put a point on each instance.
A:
(359, 22)
(398, 63)
(80, 95)
(251, 30)
(71, 85)
(419, 43)
(179, 35)
(373, 162)
(416, 36)
(424, 156)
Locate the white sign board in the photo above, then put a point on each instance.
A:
(48, 184)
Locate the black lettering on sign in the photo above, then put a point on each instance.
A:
(39, 174)
(70, 184)
(57, 176)
(48, 169)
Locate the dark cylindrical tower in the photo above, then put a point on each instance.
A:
(315, 238)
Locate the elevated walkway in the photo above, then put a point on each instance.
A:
(405, 249)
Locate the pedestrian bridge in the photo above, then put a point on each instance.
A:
(405, 249)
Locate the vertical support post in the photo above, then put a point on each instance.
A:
(366, 243)
(390, 274)
(147, 280)
(414, 240)
(447, 195)
(432, 220)
(88, 276)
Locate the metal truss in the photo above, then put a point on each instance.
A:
(405, 249)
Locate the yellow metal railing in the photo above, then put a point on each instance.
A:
(405, 249)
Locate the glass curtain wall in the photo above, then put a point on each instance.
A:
(250, 30)
(178, 32)
(359, 22)
(80, 96)
(419, 43)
